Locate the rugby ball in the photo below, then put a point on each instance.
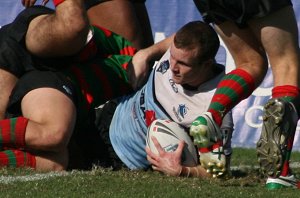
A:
(168, 134)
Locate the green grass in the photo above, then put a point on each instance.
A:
(246, 182)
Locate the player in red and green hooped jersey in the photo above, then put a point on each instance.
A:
(53, 97)
(105, 76)
(255, 32)
(128, 18)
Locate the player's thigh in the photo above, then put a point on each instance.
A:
(240, 42)
(278, 33)
(51, 108)
(61, 34)
(45, 98)
(245, 49)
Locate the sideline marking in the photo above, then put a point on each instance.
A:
(35, 177)
(292, 165)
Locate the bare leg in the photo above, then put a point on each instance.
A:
(39, 161)
(7, 82)
(245, 49)
(279, 35)
(51, 117)
(52, 161)
(281, 44)
(60, 34)
(51, 122)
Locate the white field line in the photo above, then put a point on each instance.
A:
(42, 176)
(35, 177)
(292, 165)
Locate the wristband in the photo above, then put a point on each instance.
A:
(57, 2)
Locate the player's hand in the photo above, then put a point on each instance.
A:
(167, 162)
(138, 70)
(28, 3)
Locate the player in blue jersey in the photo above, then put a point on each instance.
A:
(180, 84)
(183, 71)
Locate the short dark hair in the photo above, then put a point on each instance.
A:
(197, 34)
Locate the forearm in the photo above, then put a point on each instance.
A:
(196, 171)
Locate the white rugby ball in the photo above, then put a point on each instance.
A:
(168, 134)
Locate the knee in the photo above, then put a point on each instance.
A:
(261, 66)
(74, 23)
(56, 139)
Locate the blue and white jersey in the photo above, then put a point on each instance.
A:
(167, 99)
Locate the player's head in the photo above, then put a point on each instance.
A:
(193, 53)
(199, 36)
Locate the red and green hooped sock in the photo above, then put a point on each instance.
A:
(17, 158)
(12, 132)
(287, 93)
(286, 157)
(234, 87)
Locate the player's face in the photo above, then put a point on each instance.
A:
(185, 66)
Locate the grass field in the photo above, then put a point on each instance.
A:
(246, 182)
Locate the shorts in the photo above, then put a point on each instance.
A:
(238, 11)
(91, 3)
(90, 144)
(14, 57)
(34, 80)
